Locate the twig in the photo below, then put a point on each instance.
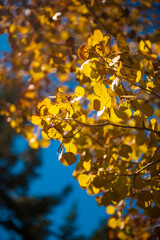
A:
(74, 133)
(134, 173)
(147, 90)
(154, 154)
(113, 124)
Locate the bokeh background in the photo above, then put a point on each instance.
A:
(52, 178)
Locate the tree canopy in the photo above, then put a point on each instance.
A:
(87, 73)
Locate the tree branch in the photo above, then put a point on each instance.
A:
(74, 133)
(147, 90)
(115, 125)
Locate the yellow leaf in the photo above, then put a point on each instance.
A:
(87, 70)
(60, 90)
(91, 41)
(44, 143)
(53, 133)
(67, 127)
(100, 89)
(68, 158)
(33, 143)
(153, 124)
(139, 116)
(145, 45)
(113, 117)
(30, 94)
(13, 123)
(150, 85)
(36, 119)
(83, 180)
(98, 35)
(95, 190)
(45, 136)
(43, 110)
(124, 113)
(46, 102)
(99, 50)
(119, 68)
(110, 210)
(138, 76)
(70, 147)
(79, 91)
(12, 108)
(12, 28)
(83, 52)
(112, 223)
(53, 109)
(87, 165)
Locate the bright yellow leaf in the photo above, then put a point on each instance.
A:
(36, 119)
(79, 91)
(110, 210)
(83, 180)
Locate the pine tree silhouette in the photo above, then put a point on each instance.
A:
(23, 217)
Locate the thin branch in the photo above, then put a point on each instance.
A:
(135, 173)
(128, 96)
(147, 165)
(74, 133)
(115, 125)
(154, 154)
(133, 189)
(147, 90)
(95, 140)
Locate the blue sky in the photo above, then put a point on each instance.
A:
(54, 177)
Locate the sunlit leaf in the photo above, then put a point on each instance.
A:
(100, 89)
(98, 35)
(145, 45)
(36, 119)
(138, 76)
(53, 109)
(83, 52)
(110, 210)
(83, 180)
(79, 91)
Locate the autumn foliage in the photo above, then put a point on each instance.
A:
(87, 73)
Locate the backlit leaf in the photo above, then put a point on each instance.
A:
(36, 119)
(138, 76)
(53, 133)
(83, 52)
(98, 35)
(100, 89)
(110, 210)
(145, 45)
(53, 109)
(79, 91)
(83, 180)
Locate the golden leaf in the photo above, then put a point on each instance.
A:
(83, 52)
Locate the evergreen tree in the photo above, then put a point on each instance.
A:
(22, 216)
